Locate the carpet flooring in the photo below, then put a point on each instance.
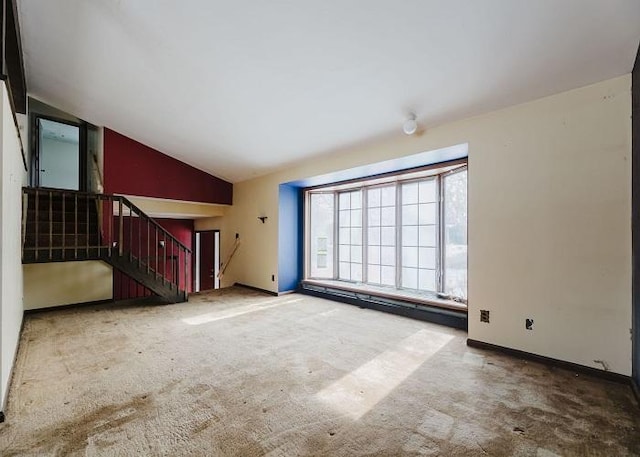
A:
(239, 373)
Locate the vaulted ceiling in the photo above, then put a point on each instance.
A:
(240, 88)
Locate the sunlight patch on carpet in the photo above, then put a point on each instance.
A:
(238, 311)
(359, 391)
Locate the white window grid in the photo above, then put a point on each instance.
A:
(429, 237)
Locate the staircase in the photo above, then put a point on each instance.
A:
(63, 225)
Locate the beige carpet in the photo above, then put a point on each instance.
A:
(238, 373)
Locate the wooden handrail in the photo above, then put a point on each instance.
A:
(225, 264)
(140, 213)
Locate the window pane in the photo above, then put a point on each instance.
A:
(356, 236)
(356, 254)
(388, 276)
(356, 200)
(427, 280)
(344, 200)
(344, 253)
(356, 272)
(428, 191)
(373, 255)
(428, 235)
(427, 258)
(345, 271)
(373, 198)
(388, 236)
(356, 218)
(388, 216)
(410, 257)
(321, 235)
(373, 274)
(427, 213)
(345, 218)
(410, 278)
(374, 217)
(388, 255)
(410, 193)
(344, 235)
(388, 195)
(455, 234)
(410, 236)
(374, 236)
(409, 214)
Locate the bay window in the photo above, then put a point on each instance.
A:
(406, 233)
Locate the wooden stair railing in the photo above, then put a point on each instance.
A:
(63, 225)
(232, 252)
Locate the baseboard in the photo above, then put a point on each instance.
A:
(69, 306)
(288, 292)
(153, 299)
(5, 400)
(607, 375)
(449, 318)
(257, 289)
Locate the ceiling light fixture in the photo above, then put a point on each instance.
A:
(410, 125)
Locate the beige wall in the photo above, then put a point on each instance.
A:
(12, 178)
(549, 221)
(65, 283)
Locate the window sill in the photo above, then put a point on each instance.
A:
(394, 294)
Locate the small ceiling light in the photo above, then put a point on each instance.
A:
(410, 125)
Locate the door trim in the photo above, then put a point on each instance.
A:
(196, 257)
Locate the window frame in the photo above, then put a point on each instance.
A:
(436, 172)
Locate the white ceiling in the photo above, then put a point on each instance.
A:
(240, 88)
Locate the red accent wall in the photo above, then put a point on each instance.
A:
(132, 168)
(125, 287)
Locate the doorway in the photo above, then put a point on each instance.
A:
(59, 156)
(207, 260)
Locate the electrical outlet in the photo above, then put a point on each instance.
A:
(484, 315)
(528, 324)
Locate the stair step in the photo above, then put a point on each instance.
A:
(149, 280)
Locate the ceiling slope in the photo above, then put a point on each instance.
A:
(242, 88)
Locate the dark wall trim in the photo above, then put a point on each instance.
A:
(12, 60)
(636, 390)
(69, 306)
(257, 289)
(608, 375)
(436, 315)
